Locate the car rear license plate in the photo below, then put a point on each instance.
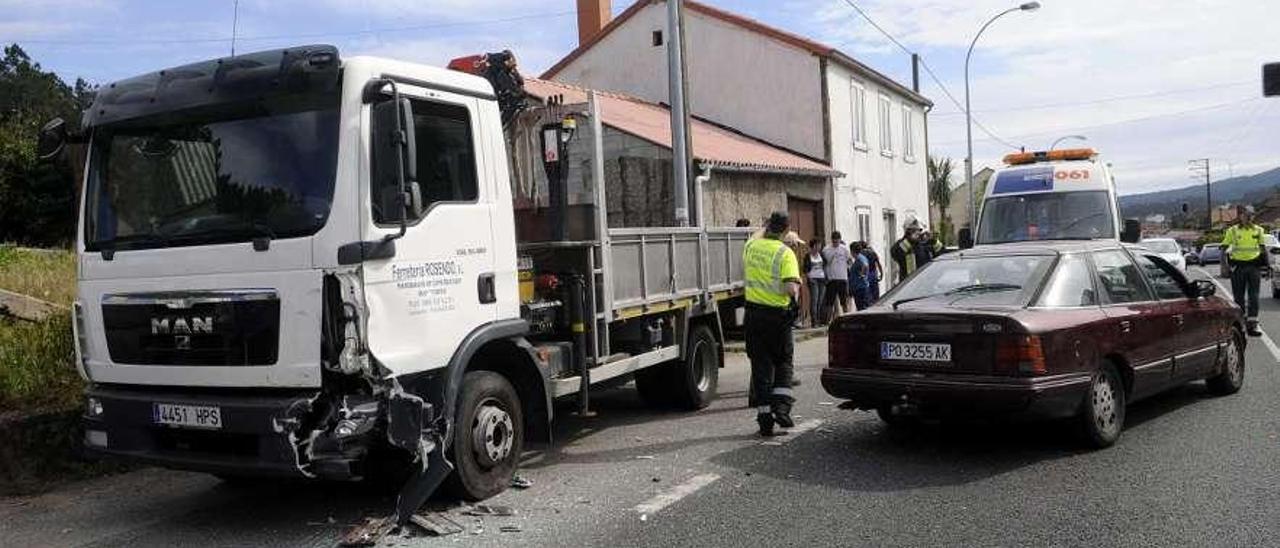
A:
(188, 416)
(915, 352)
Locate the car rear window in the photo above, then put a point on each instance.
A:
(975, 281)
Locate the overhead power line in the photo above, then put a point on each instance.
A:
(932, 76)
(226, 39)
(1044, 106)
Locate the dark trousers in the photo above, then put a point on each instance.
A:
(837, 292)
(861, 297)
(769, 347)
(1245, 281)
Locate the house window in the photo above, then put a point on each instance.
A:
(657, 38)
(864, 224)
(908, 134)
(858, 110)
(886, 126)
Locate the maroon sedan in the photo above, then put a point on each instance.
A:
(1043, 329)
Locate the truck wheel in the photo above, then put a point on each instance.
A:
(1231, 378)
(697, 377)
(1101, 415)
(488, 436)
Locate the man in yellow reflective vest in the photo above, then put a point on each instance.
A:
(773, 289)
(1244, 245)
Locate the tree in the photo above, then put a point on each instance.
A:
(37, 199)
(940, 170)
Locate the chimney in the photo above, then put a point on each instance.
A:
(593, 15)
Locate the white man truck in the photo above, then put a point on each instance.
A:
(292, 263)
(1051, 195)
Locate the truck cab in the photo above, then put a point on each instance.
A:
(1055, 195)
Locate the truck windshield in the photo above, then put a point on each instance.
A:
(1080, 215)
(229, 173)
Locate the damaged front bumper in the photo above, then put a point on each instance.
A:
(254, 437)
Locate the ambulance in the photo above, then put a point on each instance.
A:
(1051, 195)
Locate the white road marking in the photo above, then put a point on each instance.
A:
(1266, 339)
(796, 431)
(663, 500)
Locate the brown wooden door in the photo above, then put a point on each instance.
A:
(806, 217)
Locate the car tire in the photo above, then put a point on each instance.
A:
(897, 422)
(1231, 378)
(488, 436)
(1101, 417)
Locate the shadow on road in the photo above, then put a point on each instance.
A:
(868, 456)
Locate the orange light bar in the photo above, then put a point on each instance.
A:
(1020, 158)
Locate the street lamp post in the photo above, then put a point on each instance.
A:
(1064, 138)
(968, 115)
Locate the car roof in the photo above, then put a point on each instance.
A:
(1039, 247)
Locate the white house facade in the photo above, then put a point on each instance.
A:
(783, 89)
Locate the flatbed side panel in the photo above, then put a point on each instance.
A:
(656, 266)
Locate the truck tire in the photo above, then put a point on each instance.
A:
(688, 383)
(488, 436)
(698, 375)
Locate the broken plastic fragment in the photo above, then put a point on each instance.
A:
(368, 532)
(510, 529)
(436, 524)
(489, 510)
(521, 483)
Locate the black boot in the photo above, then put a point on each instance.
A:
(782, 414)
(1253, 329)
(765, 420)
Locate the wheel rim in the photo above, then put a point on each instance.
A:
(699, 365)
(1234, 363)
(1105, 410)
(492, 433)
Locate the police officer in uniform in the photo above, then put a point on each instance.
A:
(1244, 242)
(773, 288)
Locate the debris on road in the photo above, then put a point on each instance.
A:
(770, 443)
(657, 480)
(436, 524)
(489, 510)
(826, 403)
(645, 457)
(368, 532)
(521, 483)
(511, 529)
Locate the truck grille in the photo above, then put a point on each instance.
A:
(227, 328)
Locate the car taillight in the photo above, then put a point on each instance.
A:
(1020, 354)
(839, 347)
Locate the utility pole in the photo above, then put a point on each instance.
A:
(1201, 167)
(235, 22)
(679, 112)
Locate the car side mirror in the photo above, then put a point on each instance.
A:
(965, 238)
(52, 138)
(1132, 233)
(1204, 289)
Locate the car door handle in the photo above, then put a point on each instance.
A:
(1125, 326)
(1178, 319)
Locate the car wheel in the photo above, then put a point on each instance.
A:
(1231, 377)
(1102, 413)
(903, 422)
(488, 436)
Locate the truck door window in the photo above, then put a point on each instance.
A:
(446, 161)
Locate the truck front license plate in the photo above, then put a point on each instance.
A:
(188, 416)
(915, 352)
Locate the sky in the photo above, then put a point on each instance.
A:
(1150, 84)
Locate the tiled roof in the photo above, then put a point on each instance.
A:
(712, 144)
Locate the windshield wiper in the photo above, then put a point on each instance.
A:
(964, 289)
(262, 234)
(108, 248)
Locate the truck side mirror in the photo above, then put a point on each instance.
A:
(52, 138)
(966, 238)
(395, 163)
(1132, 233)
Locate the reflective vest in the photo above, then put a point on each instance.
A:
(905, 253)
(1245, 242)
(767, 265)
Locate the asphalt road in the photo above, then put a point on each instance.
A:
(1190, 470)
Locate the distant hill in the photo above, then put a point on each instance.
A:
(1247, 189)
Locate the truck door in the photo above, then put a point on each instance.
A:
(439, 285)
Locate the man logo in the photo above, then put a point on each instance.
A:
(182, 342)
(181, 326)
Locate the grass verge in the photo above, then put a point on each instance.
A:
(48, 275)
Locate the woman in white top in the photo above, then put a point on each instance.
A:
(816, 274)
